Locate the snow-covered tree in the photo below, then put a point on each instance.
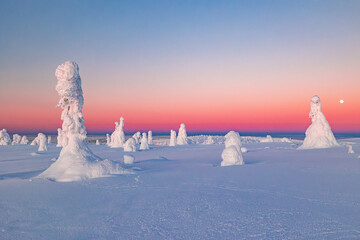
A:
(42, 142)
(59, 138)
(24, 140)
(319, 134)
(172, 138)
(49, 139)
(144, 142)
(137, 137)
(4, 137)
(150, 139)
(267, 139)
(108, 141)
(231, 155)
(130, 145)
(97, 142)
(16, 139)
(117, 138)
(209, 140)
(182, 136)
(76, 160)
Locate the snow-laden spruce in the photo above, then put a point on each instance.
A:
(182, 135)
(42, 142)
(209, 140)
(150, 139)
(117, 138)
(319, 134)
(24, 140)
(49, 139)
(60, 138)
(172, 138)
(97, 142)
(76, 160)
(144, 142)
(16, 139)
(4, 137)
(231, 155)
(137, 137)
(130, 145)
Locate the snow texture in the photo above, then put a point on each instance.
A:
(209, 140)
(243, 149)
(49, 140)
(117, 138)
(4, 137)
(231, 155)
(150, 138)
(172, 138)
(144, 142)
(319, 134)
(108, 141)
(130, 145)
(16, 139)
(60, 138)
(182, 136)
(42, 142)
(76, 161)
(128, 159)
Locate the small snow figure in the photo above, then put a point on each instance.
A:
(267, 139)
(144, 144)
(232, 152)
(97, 142)
(49, 140)
(16, 139)
(118, 136)
(130, 145)
(24, 140)
(42, 142)
(59, 138)
(108, 139)
(350, 149)
(172, 138)
(150, 140)
(4, 137)
(128, 159)
(209, 140)
(319, 134)
(182, 136)
(76, 161)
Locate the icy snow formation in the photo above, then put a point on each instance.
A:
(16, 139)
(59, 138)
(4, 137)
(150, 140)
(209, 140)
(182, 136)
(144, 142)
(108, 141)
(243, 149)
(49, 139)
(319, 134)
(97, 142)
(128, 159)
(24, 140)
(350, 149)
(117, 138)
(76, 161)
(42, 142)
(232, 152)
(130, 145)
(137, 137)
(267, 139)
(172, 138)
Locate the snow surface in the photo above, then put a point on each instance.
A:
(182, 192)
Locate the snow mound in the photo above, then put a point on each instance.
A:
(182, 136)
(144, 142)
(4, 137)
(128, 159)
(243, 149)
(172, 138)
(76, 161)
(350, 149)
(231, 155)
(130, 145)
(319, 134)
(42, 142)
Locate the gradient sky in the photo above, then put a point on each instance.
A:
(214, 65)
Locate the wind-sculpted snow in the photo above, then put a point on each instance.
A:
(319, 134)
(172, 138)
(76, 161)
(117, 138)
(16, 139)
(130, 145)
(231, 155)
(182, 135)
(4, 137)
(42, 142)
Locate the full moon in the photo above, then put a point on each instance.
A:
(341, 101)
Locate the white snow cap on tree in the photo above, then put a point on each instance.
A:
(108, 141)
(118, 136)
(319, 134)
(76, 160)
(150, 140)
(209, 140)
(42, 142)
(231, 155)
(16, 139)
(130, 145)
(49, 139)
(24, 140)
(182, 136)
(172, 138)
(4, 137)
(144, 144)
